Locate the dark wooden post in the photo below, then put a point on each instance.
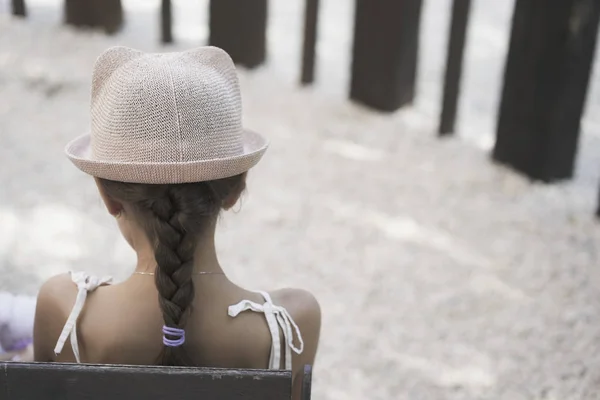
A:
(105, 14)
(545, 84)
(166, 22)
(384, 55)
(240, 28)
(456, 46)
(18, 8)
(311, 18)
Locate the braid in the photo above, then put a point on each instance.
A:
(174, 253)
(174, 216)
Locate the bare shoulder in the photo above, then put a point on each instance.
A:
(298, 302)
(57, 291)
(53, 298)
(304, 308)
(58, 284)
(306, 312)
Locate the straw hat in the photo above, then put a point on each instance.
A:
(166, 118)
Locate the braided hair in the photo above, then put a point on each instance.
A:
(174, 216)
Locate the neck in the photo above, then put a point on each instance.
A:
(205, 255)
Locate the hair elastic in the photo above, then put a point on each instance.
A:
(178, 333)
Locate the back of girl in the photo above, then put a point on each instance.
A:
(168, 152)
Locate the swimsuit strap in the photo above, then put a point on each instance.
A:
(85, 283)
(277, 317)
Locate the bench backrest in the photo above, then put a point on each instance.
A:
(39, 381)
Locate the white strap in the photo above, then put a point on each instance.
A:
(85, 283)
(277, 317)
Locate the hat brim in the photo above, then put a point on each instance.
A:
(79, 152)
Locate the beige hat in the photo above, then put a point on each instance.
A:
(166, 118)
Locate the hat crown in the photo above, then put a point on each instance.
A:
(165, 108)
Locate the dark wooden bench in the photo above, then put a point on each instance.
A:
(41, 381)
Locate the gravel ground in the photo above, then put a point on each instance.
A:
(440, 274)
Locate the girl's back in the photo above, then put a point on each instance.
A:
(119, 325)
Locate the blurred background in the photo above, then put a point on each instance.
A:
(441, 273)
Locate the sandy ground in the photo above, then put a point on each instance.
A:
(441, 275)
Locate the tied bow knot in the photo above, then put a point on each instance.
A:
(89, 283)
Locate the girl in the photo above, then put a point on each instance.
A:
(168, 152)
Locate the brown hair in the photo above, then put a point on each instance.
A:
(173, 217)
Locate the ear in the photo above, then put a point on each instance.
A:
(235, 194)
(230, 200)
(113, 206)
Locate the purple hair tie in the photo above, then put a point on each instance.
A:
(178, 333)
